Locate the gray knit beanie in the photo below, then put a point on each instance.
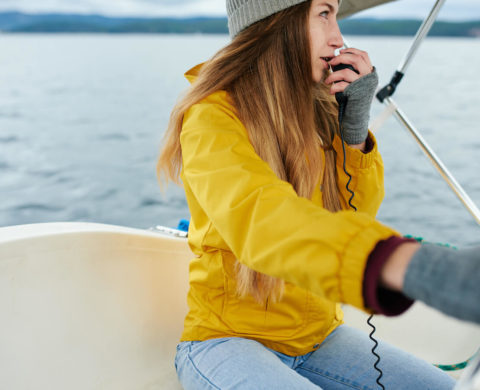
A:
(243, 13)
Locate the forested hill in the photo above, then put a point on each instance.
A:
(16, 22)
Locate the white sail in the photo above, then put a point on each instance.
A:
(350, 7)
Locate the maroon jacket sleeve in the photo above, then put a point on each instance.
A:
(379, 299)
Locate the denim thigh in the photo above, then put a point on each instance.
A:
(345, 361)
(236, 363)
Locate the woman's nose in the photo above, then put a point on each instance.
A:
(336, 39)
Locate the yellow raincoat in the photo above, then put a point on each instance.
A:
(241, 210)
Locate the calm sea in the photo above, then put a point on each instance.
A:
(82, 116)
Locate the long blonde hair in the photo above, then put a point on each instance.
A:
(267, 73)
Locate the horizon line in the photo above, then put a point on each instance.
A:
(195, 16)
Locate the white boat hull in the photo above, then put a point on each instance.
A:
(85, 306)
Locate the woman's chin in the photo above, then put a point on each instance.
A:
(320, 76)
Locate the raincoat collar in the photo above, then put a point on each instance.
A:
(192, 74)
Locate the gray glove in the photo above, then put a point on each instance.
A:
(446, 279)
(357, 112)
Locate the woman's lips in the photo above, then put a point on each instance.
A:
(326, 60)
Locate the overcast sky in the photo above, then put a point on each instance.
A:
(453, 9)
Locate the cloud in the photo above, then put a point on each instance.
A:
(458, 9)
(120, 7)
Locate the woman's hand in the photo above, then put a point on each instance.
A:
(358, 89)
(395, 268)
(443, 278)
(341, 79)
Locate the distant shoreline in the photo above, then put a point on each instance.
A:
(17, 22)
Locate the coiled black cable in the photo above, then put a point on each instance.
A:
(352, 194)
(374, 349)
(342, 102)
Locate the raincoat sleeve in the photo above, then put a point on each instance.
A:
(267, 226)
(366, 170)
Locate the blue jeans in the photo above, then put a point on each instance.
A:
(343, 361)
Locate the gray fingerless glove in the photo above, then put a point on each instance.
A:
(446, 279)
(357, 112)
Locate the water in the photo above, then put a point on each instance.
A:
(82, 116)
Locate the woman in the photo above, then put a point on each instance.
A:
(278, 246)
